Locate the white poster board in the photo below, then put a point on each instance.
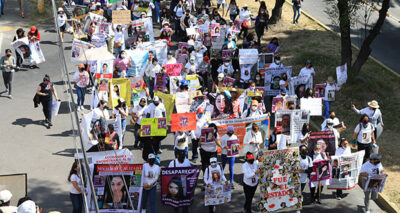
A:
(314, 105)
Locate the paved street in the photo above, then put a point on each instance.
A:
(386, 47)
(46, 155)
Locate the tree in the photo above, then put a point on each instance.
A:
(276, 12)
(345, 14)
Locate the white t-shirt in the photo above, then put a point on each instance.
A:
(179, 11)
(305, 164)
(274, 65)
(139, 112)
(371, 169)
(119, 37)
(224, 143)
(306, 71)
(243, 69)
(181, 141)
(252, 137)
(81, 79)
(302, 137)
(156, 111)
(245, 15)
(176, 163)
(97, 112)
(188, 66)
(374, 116)
(116, 112)
(61, 19)
(209, 147)
(225, 69)
(330, 91)
(341, 151)
(72, 189)
(211, 170)
(364, 135)
(150, 174)
(250, 178)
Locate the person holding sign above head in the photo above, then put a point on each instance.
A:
(250, 180)
(151, 172)
(224, 152)
(213, 174)
(372, 167)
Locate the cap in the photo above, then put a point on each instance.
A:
(151, 156)
(156, 98)
(213, 160)
(60, 9)
(27, 207)
(375, 156)
(81, 65)
(278, 129)
(221, 75)
(308, 62)
(5, 196)
(250, 157)
(230, 128)
(206, 59)
(245, 5)
(254, 102)
(33, 29)
(373, 104)
(200, 110)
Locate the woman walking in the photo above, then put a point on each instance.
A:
(81, 78)
(33, 36)
(45, 91)
(7, 65)
(75, 192)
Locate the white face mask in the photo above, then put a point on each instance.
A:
(226, 64)
(252, 88)
(257, 78)
(254, 108)
(278, 62)
(220, 79)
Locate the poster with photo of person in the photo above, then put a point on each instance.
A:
(321, 171)
(178, 185)
(375, 183)
(326, 139)
(272, 78)
(319, 90)
(117, 187)
(345, 170)
(217, 194)
(104, 69)
(233, 148)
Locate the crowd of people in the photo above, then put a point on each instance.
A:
(218, 84)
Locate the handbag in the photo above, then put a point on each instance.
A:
(246, 24)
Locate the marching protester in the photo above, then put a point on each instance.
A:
(196, 134)
(252, 140)
(250, 180)
(151, 173)
(33, 36)
(373, 112)
(45, 92)
(245, 18)
(209, 150)
(364, 136)
(8, 65)
(214, 169)
(20, 33)
(344, 149)
(261, 24)
(5, 202)
(81, 78)
(306, 165)
(318, 155)
(224, 153)
(304, 134)
(137, 114)
(180, 161)
(76, 189)
(329, 97)
(277, 63)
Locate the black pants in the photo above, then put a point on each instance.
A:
(157, 143)
(249, 192)
(245, 31)
(195, 146)
(339, 193)
(315, 196)
(205, 158)
(137, 134)
(7, 78)
(260, 33)
(184, 209)
(46, 103)
(367, 148)
(19, 59)
(147, 147)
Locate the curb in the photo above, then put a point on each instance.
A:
(337, 34)
(384, 202)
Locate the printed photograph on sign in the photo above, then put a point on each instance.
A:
(183, 121)
(146, 130)
(162, 123)
(320, 90)
(277, 104)
(375, 183)
(284, 121)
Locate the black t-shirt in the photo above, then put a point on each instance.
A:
(96, 148)
(47, 89)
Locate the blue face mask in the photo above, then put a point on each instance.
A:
(201, 100)
(119, 74)
(200, 115)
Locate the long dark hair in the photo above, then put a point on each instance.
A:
(46, 78)
(176, 180)
(228, 104)
(305, 128)
(73, 170)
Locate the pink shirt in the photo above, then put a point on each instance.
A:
(121, 63)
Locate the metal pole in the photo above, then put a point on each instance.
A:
(65, 69)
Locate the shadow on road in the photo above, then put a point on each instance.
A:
(63, 134)
(66, 153)
(27, 121)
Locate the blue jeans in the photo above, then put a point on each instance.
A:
(298, 11)
(186, 152)
(2, 2)
(77, 202)
(117, 50)
(152, 194)
(80, 92)
(157, 8)
(224, 159)
(123, 125)
(195, 146)
(327, 106)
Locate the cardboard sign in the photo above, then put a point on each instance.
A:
(325, 139)
(168, 101)
(173, 69)
(183, 122)
(248, 56)
(321, 171)
(217, 194)
(153, 127)
(345, 170)
(207, 135)
(314, 105)
(341, 74)
(233, 148)
(272, 78)
(182, 44)
(121, 16)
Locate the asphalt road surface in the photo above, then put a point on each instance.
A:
(46, 155)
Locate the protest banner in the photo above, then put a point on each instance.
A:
(228, 82)
(248, 56)
(218, 42)
(272, 78)
(242, 125)
(280, 180)
(191, 31)
(345, 170)
(99, 40)
(283, 119)
(105, 176)
(159, 49)
(36, 53)
(265, 58)
(168, 101)
(207, 135)
(160, 83)
(217, 194)
(153, 127)
(121, 17)
(320, 90)
(291, 122)
(183, 179)
(105, 28)
(30, 52)
(182, 102)
(215, 29)
(341, 74)
(138, 60)
(321, 170)
(204, 28)
(104, 69)
(119, 156)
(182, 44)
(120, 88)
(299, 84)
(173, 69)
(194, 83)
(375, 183)
(277, 104)
(138, 89)
(233, 148)
(313, 105)
(325, 139)
(78, 48)
(183, 121)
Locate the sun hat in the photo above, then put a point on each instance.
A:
(373, 104)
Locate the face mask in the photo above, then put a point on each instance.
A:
(258, 78)
(278, 62)
(230, 134)
(152, 161)
(316, 153)
(142, 105)
(303, 152)
(229, 39)
(252, 88)
(201, 100)
(204, 12)
(332, 117)
(200, 115)
(214, 164)
(377, 162)
(169, 56)
(8, 55)
(254, 108)
(255, 129)
(251, 161)
(226, 64)
(119, 74)
(181, 158)
(156, 103)
(365, 122)
(192, 61)
(220, 79)
(123, 56)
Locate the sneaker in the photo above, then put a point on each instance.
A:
(10, 96)
(46, 121)
(50, 124)
(82, 108)
(338, 198)
(159, 151)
